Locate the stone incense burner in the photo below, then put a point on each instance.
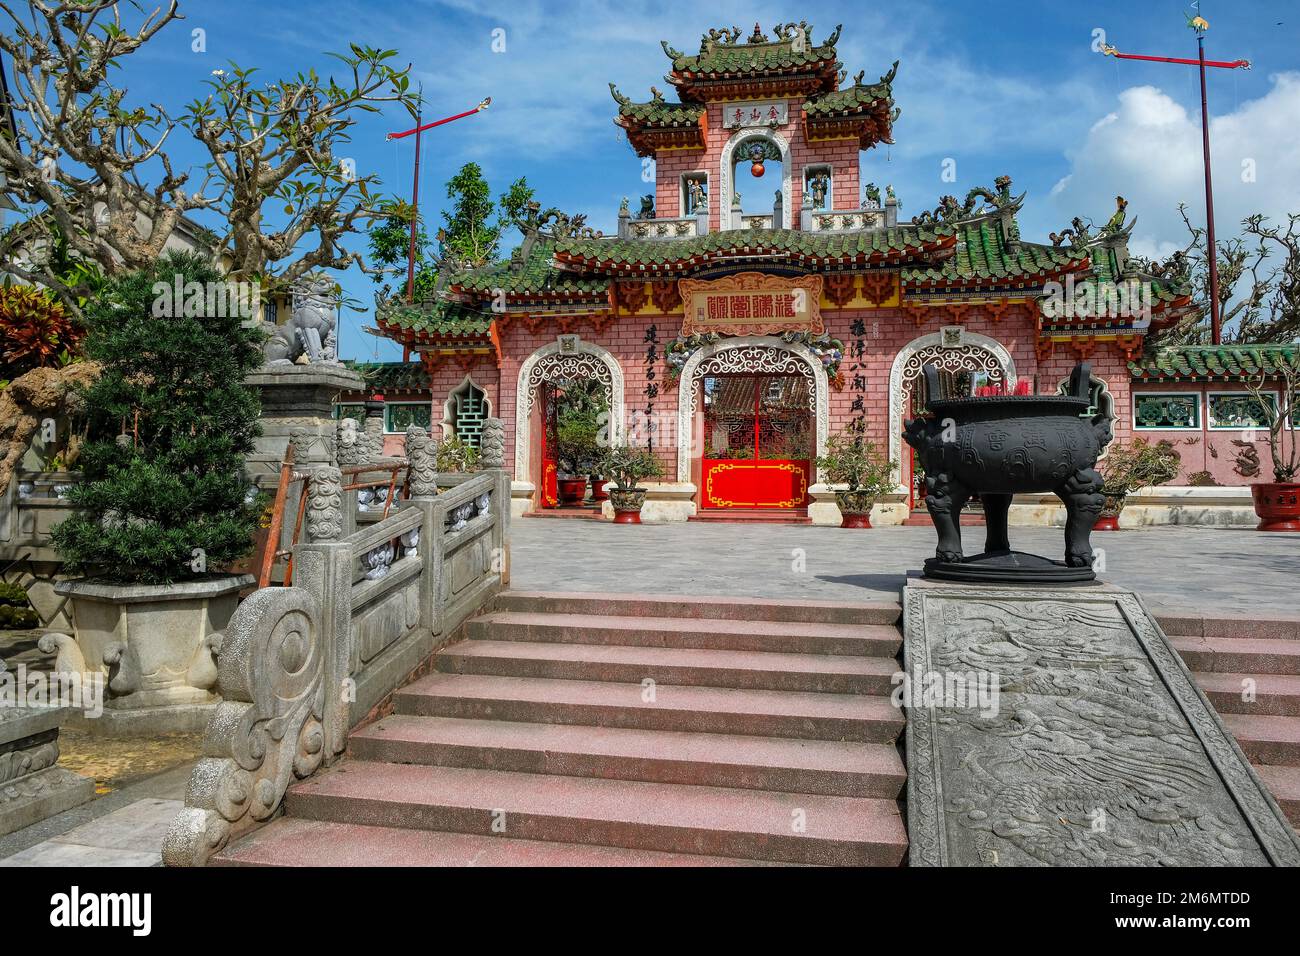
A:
(1000, 446)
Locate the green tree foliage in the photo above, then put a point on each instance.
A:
(164, 490)
(471, 236)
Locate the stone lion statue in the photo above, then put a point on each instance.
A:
(311, 334)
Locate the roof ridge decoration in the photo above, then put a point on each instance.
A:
(951, 212)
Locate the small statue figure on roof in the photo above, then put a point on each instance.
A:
(1116, 222)
(819, 183)
(697, 196)
(647, 210)
(872, 193)
(889, 192)
(657, 94)
(1078, 233)
(622, 207)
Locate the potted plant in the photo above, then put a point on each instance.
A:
(576, 449)
(164, 508)
(1277, 502)
(1139, 463)
(853, 461)
(454, 460)
(626, 466)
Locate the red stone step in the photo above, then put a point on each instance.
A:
(873, 640)
(1276, 695)
(1284, 784)
(293, 842)
(1254, 625)
(672, 665)
(700, 607)
(711, 709)
(1243, 655)
(1266, 740)
(714, 821)
(753, 516)
(707, 759)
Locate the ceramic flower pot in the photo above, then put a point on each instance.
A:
(1110, 511)
(599, 489)
(1277, 504)
(572, 490)
(627, 504)
(855, 508)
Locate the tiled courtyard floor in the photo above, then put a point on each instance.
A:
(1189, 567)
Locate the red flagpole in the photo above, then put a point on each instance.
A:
(415, 185)
(1199, 25)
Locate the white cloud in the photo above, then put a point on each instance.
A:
(1149, 149)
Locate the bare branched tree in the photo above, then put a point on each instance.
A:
(81, 154)
(1259, 283)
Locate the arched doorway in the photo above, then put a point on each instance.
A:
(542, 379)
(752, 418)
(738, 149)
(954, 351)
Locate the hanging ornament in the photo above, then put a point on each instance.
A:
(756, 159)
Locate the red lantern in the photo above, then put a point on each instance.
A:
(757, 169)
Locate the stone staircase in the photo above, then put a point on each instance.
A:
(594, 730)
(1226, 654)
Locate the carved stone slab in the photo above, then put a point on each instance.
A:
(1067, 732)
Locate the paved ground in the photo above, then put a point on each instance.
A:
(1201, 568)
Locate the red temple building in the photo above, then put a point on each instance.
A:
(735, 343)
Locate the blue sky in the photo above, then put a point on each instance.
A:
(1000, 87)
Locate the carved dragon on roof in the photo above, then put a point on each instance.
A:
(951, 211)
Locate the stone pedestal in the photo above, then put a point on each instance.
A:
(151, 643)
(32, 787)
(298, 405)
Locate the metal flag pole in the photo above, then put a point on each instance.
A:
(1199, 25)
(415, 185)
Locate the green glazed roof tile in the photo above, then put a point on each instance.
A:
(1211, 362)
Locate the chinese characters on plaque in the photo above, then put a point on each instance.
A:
(752, 304)
(771, 113)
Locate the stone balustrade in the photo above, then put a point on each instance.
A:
(681, 227)
(298, 667)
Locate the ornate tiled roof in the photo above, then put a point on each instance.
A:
(529, 272)
(814, 250)
(1210, 363)
(723, 55)
(392, 376)
(982, 257)
(439, 318)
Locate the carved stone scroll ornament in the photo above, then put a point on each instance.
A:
(492, 443)
(325, 505)
(423, 464)
(268, 731)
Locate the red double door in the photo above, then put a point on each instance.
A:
(758, 442)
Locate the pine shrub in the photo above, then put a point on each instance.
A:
(164, 496)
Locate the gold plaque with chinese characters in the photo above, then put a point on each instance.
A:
(750, 303)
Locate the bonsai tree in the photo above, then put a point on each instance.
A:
(455, 455)
(1136, 464)
(853, 461)
(1286, 461)
(164, 496)
(626, 466)
(576, 440)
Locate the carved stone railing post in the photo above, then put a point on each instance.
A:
(492, 443)
(422, 465)
(324, 514)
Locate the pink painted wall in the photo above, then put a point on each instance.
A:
(841, 154)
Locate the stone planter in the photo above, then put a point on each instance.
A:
(855, 507)
(153, 645)
(1277, 504)
(627, 504)
(1108, 520)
